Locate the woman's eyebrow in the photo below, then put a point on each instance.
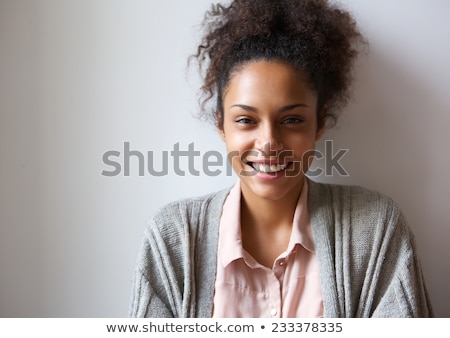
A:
(292, 106)
(281, 110)
(245, 107)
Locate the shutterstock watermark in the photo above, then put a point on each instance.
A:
(182, 161)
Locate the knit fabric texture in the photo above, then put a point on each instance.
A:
(366, 251)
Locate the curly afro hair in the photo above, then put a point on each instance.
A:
(318, 39)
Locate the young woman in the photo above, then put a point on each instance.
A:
(278, 244)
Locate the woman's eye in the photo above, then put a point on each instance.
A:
(292, 120)
(244, 120)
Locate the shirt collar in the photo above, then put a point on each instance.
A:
(230, 237)
(301, 229)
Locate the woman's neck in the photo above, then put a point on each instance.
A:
(263, 213)
(266, 225)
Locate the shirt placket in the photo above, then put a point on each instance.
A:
(275, 288)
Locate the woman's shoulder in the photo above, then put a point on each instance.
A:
(195, 202)
(190, 210)
(368, 214)
(358, 202)
(350, 194)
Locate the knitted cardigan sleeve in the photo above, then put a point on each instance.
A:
(367, 255)
(176, 267)
(397, 283)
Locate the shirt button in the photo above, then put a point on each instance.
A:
(282, 263)
(273, 312)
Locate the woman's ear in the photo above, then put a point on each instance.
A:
(221, 132)
(320, 131)
(322, 123)
(219, 126)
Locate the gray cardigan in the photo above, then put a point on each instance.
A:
(366, 252)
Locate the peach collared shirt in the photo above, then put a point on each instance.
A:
(246, 289)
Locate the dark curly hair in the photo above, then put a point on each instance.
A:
(318, 39)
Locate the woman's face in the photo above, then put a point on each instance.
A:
(270, 128)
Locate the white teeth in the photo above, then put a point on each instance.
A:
(269, 168)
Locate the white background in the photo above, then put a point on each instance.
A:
(80, 78)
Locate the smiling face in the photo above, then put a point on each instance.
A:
(270, 128)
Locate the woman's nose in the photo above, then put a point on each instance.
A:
(269, 140)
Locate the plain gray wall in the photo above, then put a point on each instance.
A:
(80, 78)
